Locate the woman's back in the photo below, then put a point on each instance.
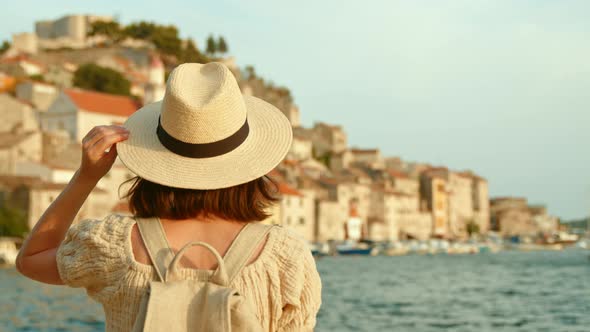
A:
(282, 280)
(217, 232)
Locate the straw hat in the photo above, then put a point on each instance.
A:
(205, 134)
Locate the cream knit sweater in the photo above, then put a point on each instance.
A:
(97, 255)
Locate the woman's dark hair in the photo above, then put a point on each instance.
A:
(245, 202)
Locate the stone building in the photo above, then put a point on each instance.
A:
(371, 158)
(21, 66)
(295, 210)
(301, 148)
(382, 221)
(512, 216)
(460, 203)
(62, 75)
(342, 160)
(434, 190)
(33, 196)
(40, 95)
(337, 196)
(77, 111)
(328, 139)
(69, 31)
(25, 42)
(481, 202)
(17, 115)
(18, 148)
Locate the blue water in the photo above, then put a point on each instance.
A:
(508, 291)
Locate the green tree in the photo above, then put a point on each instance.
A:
(110, 29)
(211, 45)
(13, 222)
(4, 47)
(472, 228)
(190, 53)
(140, 30)
(222, 46)
(94, 77)
(250, 72)
(165, 38)
(37, 78)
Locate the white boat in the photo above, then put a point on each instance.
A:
(395, 249)
(8, 251)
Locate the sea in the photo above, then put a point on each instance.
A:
(505, 291)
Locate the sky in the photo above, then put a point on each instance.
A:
(498, 87)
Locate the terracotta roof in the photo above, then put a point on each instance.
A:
(328, 181)
(285, 189)
(104, 103)
(24, 58)
(336, 127)
(470, 174)
(276, 175)
(397, 174)
(364, 151)
(301, 137)
(290, 162)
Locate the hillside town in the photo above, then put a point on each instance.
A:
(325, 183)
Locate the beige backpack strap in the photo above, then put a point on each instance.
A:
(243, 247)
(157, 246)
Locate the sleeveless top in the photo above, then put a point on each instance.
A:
(283, 281)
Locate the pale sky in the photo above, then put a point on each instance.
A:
(499, 87)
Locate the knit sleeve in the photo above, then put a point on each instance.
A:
(91, 256)
(301, 291)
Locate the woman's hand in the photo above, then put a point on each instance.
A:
(96, 161)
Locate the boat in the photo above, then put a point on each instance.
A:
(395, 249)
(8, 251)
(356, 248)
(319, 249)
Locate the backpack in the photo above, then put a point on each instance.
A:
(207, 303)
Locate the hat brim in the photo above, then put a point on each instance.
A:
(268, 142)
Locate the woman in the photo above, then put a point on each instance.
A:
(201, 156)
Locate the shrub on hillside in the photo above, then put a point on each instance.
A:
(94, 77)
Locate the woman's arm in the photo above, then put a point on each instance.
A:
(36, 258)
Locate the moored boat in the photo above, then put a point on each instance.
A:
(8, 251)
(355, 248)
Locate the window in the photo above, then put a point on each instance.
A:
(441, 187)
(287, 201)
(440, 204)
(288, 220)
(301, 221)
(300, 201)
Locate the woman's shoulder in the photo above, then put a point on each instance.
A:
(288, 238)
(93, 253)
(111, 225)
(289, 246)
